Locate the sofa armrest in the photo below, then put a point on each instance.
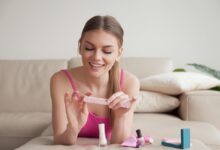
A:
(201, 106)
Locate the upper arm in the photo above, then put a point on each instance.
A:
(131, 85)
(57, 91)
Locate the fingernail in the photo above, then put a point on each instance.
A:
(109, 101)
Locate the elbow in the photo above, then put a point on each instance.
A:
(118, 140)
(58, 141)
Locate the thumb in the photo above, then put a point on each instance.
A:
(84, 108)
(88, 93)
(84, 105)
(133, 100)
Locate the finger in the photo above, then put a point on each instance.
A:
(75, 96)
(123, 103)
(67, 100)
(134, 100)
(84, 108)
(126, 103)
(118, 100)
(67, 97)
(88, 93)
(114, 96)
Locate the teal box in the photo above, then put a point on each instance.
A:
(185, 140)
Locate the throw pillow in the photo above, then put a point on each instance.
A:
(156, 102)
(178, 82)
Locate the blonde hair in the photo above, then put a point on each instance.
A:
(110, 25)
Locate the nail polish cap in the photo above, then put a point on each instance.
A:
(139, 134)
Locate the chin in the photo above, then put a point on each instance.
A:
(96, 72)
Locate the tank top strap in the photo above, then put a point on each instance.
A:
(70, 78)
(122, 79)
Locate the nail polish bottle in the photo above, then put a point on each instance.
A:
(102, 137)
(140, 138)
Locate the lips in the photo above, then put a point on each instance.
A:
(96, 65)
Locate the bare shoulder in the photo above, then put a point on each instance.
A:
(57, 77)
(131, 83)
(130, 79)
(57, 84)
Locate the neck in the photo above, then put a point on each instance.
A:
(96, 83)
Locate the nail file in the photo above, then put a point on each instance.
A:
(101, 101)
(96, 100)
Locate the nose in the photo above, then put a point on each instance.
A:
(97, 55)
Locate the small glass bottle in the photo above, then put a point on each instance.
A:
(102, 137)
(140, 138)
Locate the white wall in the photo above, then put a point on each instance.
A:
(184, 30)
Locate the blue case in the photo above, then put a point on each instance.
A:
(185, 140)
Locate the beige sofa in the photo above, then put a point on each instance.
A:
(25, 108)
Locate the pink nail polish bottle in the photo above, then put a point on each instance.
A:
(140, 138)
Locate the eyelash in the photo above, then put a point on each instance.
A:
(91, 49)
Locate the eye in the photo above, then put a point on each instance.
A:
(89, 49)
(107, 52)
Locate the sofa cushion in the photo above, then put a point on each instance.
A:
(176, 83)
(25, 84)
(201, 106)
(156, 102)
(18, 128)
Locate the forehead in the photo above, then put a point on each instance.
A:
(100, 37)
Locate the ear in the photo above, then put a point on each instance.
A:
(119, 54)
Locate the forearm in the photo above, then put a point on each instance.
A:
(68, 137)
(122, 128)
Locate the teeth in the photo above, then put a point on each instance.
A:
(96, 65)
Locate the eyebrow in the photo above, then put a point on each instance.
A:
(106, 46)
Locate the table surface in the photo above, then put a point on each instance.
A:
(46, 143)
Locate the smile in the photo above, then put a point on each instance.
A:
(96, 65)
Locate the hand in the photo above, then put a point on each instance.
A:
(118, 99)
(76, 110)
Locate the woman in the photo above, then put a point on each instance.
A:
(100, 47)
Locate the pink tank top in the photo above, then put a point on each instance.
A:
(90, 129)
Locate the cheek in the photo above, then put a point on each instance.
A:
(85, 58)
(86, 54)
(111, 60)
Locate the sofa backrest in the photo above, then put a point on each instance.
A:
(25, 84)
(140, 66)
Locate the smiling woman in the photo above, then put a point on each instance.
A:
(100, 50)
(100, 47)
